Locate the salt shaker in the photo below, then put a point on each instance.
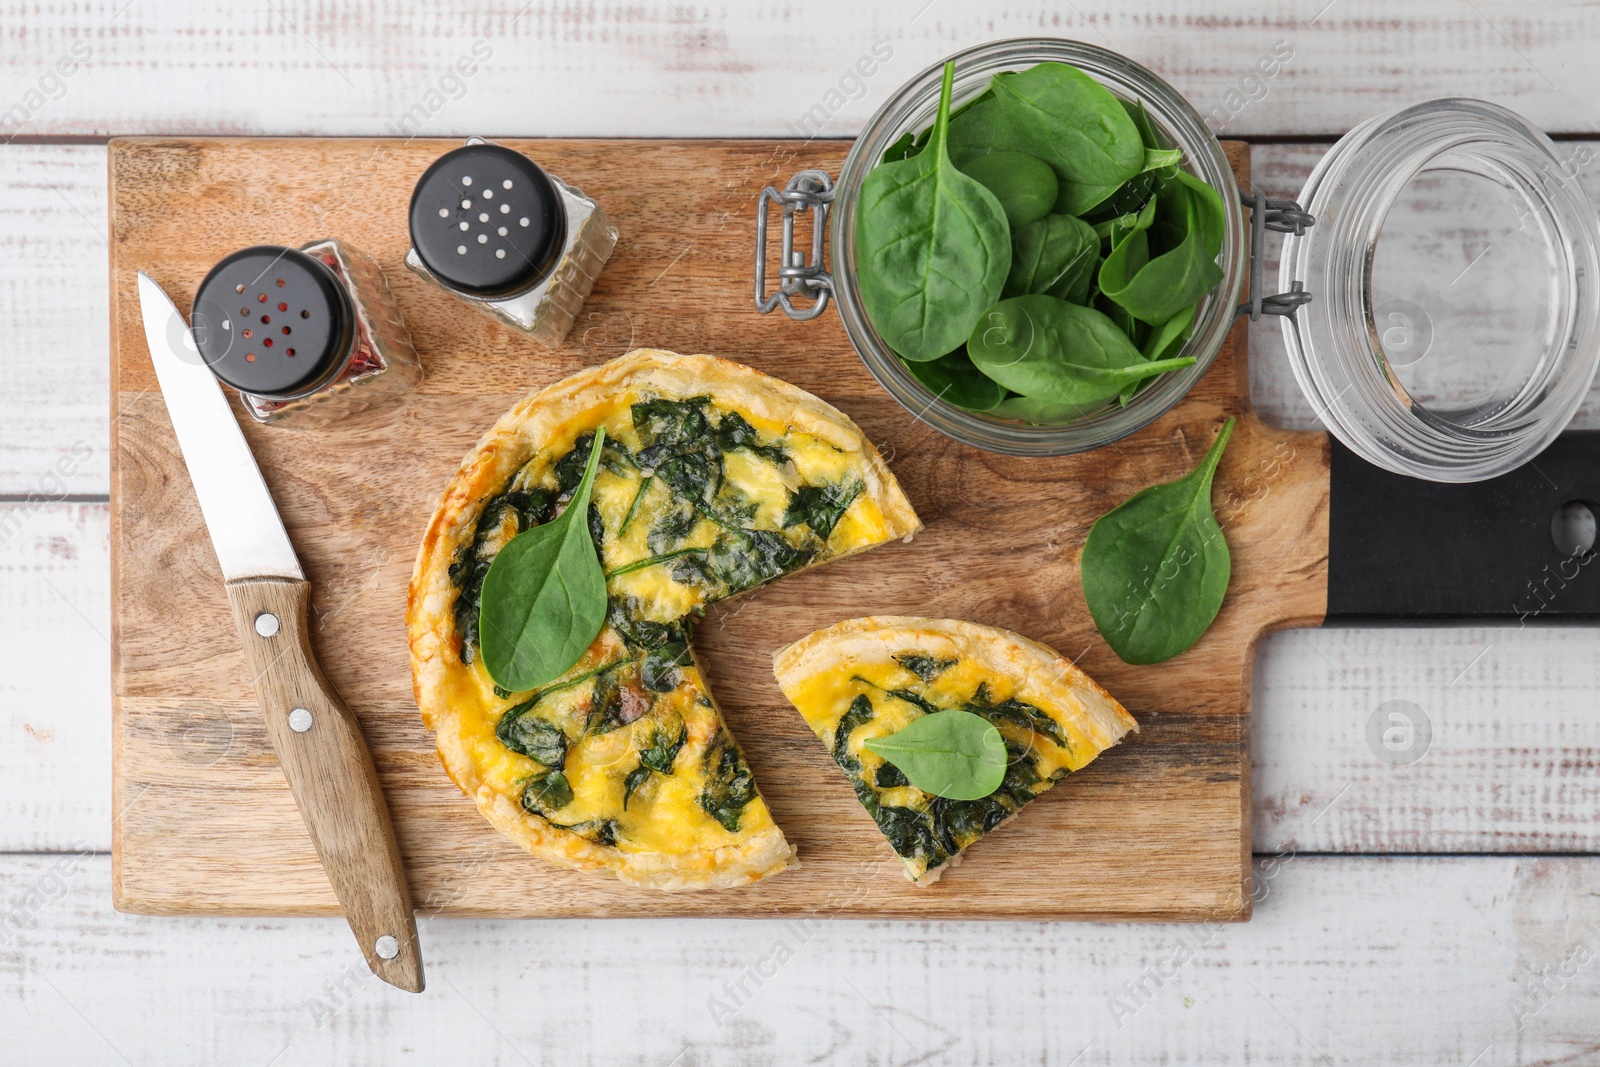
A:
(494, 228)
(306, 335)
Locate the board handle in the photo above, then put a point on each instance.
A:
(1405, 550)
(330, 772)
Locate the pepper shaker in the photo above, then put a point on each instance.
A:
(306, 335)
(494, 228)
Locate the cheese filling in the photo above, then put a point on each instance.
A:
(693, 502)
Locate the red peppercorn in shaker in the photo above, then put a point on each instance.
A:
(306, 335)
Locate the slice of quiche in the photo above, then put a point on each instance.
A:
(867, 678)
(714, 479)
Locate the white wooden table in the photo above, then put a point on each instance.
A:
(1445, 911)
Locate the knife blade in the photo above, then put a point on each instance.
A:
(317, 739)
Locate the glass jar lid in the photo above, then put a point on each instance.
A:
(1454, 326)
(273, 322)
(487, 221)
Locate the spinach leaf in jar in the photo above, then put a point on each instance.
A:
(1057, 255)
(1046, 348)
(1065, 117)
(955, 380)
(932, 247)
(1156, 290)
(1025, 185)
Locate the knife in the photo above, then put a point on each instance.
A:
(317, 739)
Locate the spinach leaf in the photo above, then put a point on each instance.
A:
(1037, 412)
(1046, 348)
(732, 507)
(729, 784)
(951, 753)
(633, 508)
(1022, 714)
(1156, 290)
(1025, 185)
(953, 378)
(1075, 198)
(692, 476)
(546, 793)
(673, 524)
(539, 739)
(1170, 335)
(978, 129)
(916, 700)
(910, 833)
(925, 667)
(605, 707)
(519, 509)
(860, 711)
(1156, 567)
(742, 559)
(1065, 117)
(657, 756)
(1210, 216)
(932, 247)
(821, 506)
(890, 777)
(734, 431)
(1113, 229)
(544, 598)
(673, 424)
(659, 671)
(1056, 255)
(1130, 251)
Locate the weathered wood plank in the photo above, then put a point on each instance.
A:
(1348, 960)
(53, 366)
(55, 688)
(743, 70)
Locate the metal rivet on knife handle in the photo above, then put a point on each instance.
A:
(300, 720)
(387, 947)
(267, 624)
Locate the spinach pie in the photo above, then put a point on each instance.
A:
(870, 678)
(712, 479)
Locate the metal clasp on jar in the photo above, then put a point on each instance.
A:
(810, 190)
(1280, 216)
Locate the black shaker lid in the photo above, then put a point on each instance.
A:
(273, 322)
(487, 221)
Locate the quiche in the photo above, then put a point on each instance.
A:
(713, 479)
(867, 678)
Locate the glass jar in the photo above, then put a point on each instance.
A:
(492, 227)
(913, 108)
(307, 336)
(1398, 363)
(1463, 416)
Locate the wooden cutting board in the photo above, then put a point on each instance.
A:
(1155, 829)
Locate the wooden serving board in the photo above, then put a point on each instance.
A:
(1155, 829)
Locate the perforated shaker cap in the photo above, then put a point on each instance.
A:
(273, 322)
(487, 221)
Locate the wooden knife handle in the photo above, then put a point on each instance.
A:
(330, 773)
